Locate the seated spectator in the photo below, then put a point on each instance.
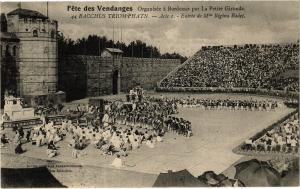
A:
(28, 133)
(51, 150)
(34, 139)
(117, 162)
(149, 143)
(19, 149)
(159, 138)
(4, 140)
(284, 138)
(51, 146)
(5, 117)
(135, 144)
(40, 140)
(17, 137)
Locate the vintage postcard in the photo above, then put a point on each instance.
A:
(149, 94)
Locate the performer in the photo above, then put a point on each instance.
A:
(117, 162)
(105, 120)
(19, 149)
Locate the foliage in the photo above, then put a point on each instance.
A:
(94, 45)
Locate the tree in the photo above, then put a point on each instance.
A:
(94, 45)
(174, 56)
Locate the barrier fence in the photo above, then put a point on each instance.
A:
(278, 93)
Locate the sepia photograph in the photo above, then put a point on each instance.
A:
(130, 94)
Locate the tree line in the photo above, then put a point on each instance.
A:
(94, 45)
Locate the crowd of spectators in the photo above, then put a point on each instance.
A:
(152, 114)
(288, 84)
(248, 66)
(124, 126)
(227, 104)
(283, 138)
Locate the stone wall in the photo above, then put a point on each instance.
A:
(85, 76)
(99, 75)
(146, 71)
(72, 77)
(38, 66)
(37, 54)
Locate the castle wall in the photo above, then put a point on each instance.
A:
(99, 75)
(72, 77)
(96, 74)
(38, 66)
(145, 71)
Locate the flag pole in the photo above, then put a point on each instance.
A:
(121, 38)
(113, 45)
(47, 8)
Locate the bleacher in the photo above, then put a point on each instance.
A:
(245, 66)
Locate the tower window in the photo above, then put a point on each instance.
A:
(1, 50)
(25, 20)
(15, 50)
(7, 50)
(35, 33)
(52, 34)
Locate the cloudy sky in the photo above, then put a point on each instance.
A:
(265, 22)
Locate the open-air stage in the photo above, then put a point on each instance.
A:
(216, 133)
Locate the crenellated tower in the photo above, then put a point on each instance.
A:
(37, 51)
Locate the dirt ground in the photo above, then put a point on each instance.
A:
(216, 133)
(77, 175)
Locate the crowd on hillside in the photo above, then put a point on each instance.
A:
(248, 66)
(283, 138)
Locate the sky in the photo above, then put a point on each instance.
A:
(264, 22)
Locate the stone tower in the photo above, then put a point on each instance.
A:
(37, 51)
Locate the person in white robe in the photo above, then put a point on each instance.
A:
(105, 120)
(159, 138)
(135, 144)
(150, 144)
(117, 162)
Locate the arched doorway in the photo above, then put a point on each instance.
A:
(115, 82)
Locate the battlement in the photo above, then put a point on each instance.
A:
(90, 59)
(31, 38)
(26, 21)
